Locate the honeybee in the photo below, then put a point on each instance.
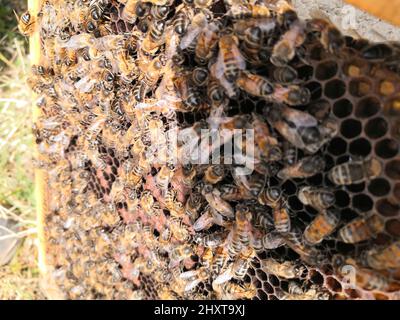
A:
(207, 42)
(353, 172)
(321, 227)
(238, 268)
(211, 240)
(199, 76)
(361, 229)
(297, 127)
(148, 204)
(383, 258)
(154, 37)
(254, 32)
(286, 14)
(378, 52)
(214, 173)
(205, 221)
(234, 291)
(294, 239)
(297, 293)
(242, 10)
(194, 277)
(239, 236)
(232, 192)
(198, 23)
(286, 269)
(216, 202)
(285, 49)
(26, 23)
(270, 196)
(230, 61)
(97, 8)
(331, 38)
(176, 207)
(215, 93)
(179, 230)
(363, 277)
(272, 240)
(285, 74)
(182, 20)
(188, 175)
(318, 198)
(220, 260)
(187, 92)
(151, 75)
(179, 253)
(159, 12)
(254, 84)
(267, 144)
(164, 176)
(281, 218)
(292, 95)
(306, 167)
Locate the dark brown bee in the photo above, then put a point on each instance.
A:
(377, 51)
(330, 36)
(317, 198)
(285, 74)
(97, 8)
(361, 229)
(200, 76)
(215, 92)
(285, 49)
(154, 37)
(182, 20)
(286, 14)
(270, 196)
(355, 171)
(321, 227)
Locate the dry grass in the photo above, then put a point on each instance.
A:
(19, 279)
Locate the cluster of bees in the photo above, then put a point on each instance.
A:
(129, 218)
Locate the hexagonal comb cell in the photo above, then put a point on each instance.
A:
(326, 166)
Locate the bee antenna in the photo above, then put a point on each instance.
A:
(16, 15)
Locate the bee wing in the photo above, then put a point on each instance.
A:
(217, 69)
(78, 41)
(85, 84)
(223, 277)
(191, 285)
(273, 240)
(198, 24)
(204, 222)
(241, 62)
(298, 118)
(188, 274)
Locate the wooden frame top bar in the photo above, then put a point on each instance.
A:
(388, 10)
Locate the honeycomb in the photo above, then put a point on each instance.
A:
(123, 223)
